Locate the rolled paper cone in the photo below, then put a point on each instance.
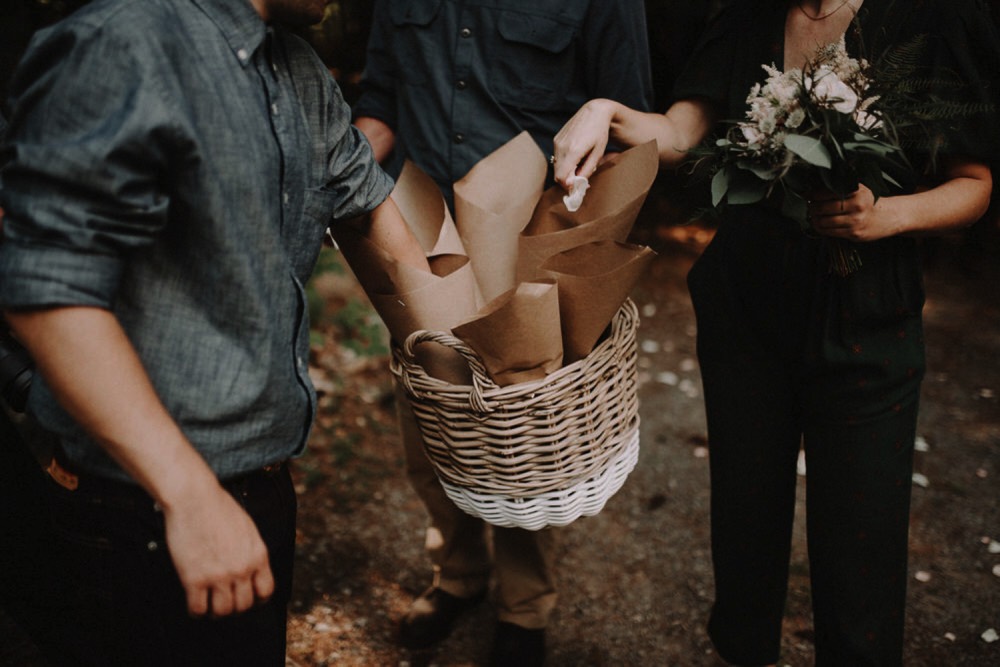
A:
(493, 203)
(451, 298)
(424, 209)
(517, 335)
(617, 192)
(492, 245)
(594, 280)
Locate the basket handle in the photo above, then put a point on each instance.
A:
(481, 380)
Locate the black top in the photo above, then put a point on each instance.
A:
(962, 44)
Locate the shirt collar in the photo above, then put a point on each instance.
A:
(240, 24)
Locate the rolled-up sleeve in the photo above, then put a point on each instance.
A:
(349, 182)
(357, 180)
(82, 163)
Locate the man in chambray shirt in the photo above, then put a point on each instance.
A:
(169, 172)
(446, 83)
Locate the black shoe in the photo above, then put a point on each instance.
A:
(431, 616)
(514, 646)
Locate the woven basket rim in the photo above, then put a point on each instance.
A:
(403, 359)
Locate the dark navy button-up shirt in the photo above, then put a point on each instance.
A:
(456, 79)
(177, 162)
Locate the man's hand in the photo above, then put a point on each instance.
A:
(219, 555)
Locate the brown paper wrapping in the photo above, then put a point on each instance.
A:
(617, 191)
(493, 203)
(594, 280)
(425, 211)
(517, 335)
(539, 314)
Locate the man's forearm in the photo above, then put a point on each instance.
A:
(386, 228)
(92, 368)
(379, 135)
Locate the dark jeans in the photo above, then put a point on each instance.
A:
(124, 604)
(27, 592)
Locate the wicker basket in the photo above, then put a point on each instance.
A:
(532, 454)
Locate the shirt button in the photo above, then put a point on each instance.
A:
(465, 32)
(284, 197)
(458, 137)
(274, 109)
(242, 55)
(460, 85)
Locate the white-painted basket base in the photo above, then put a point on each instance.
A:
(555, 508)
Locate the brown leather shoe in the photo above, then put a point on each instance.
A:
(432, 616)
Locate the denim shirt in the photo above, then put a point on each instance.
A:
(178, 162)
(455, 79)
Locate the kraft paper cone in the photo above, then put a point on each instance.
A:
(517, 335)
(594, 280)
(437, 306)
(424, 209)
(493, 203)
(617, 192)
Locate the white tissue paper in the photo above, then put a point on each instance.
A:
(577, 189)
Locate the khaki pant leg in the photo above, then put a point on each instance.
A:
(456, 541)
(525, 583)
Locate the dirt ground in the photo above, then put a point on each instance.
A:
(635, 581)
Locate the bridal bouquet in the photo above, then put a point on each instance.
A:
(818, 127)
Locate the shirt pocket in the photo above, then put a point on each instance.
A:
(535, 60)
(414, 37)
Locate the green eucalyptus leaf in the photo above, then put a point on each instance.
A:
(720, 185)
(892, 180)
(809, 149)
(745, 188)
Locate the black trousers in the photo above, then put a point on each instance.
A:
(792, 356)
(123, 603)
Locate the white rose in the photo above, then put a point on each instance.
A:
(827, 88)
